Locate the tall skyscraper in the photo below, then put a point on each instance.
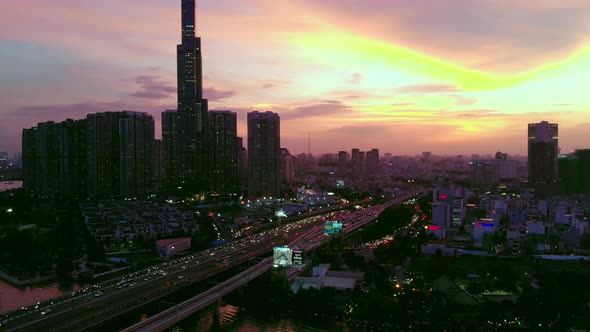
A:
(542, 152)
(192, 108)
(189, 60)
(264, 154)
(223, 152)
(185, 143)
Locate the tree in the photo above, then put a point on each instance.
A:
(585, 241)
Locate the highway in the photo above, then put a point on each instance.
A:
(88, 307)
(103, 302)
(312, 238)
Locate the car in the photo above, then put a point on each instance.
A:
(99, 293)
(180, 277)
(46, 311)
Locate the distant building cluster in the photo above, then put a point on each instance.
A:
(508, 218)
(493, 171)
(117, 221)
(10, 162)
(547, 213)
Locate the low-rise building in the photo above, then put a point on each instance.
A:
(170, 247)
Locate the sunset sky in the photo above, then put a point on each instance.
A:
(404, 76)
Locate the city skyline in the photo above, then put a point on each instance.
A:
(352, 84)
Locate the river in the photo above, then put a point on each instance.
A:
(230, 318)
(6, 185)
(12, 298)
(234, 319)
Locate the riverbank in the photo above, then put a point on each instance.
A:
(25, 282)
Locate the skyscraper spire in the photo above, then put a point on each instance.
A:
(188, 21)
(188, 57)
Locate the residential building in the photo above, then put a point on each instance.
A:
(223, 152)
(264, 154)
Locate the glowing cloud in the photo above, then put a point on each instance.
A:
(339, 48)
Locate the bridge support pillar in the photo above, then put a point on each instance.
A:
(216, 310)
(216, 314)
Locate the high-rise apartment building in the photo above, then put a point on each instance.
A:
(264, 154)
(372, 161)
(136, 154)
(103, 153)
(287, 166)
(569, 173)
(223, 152)
(342, 163)
(54, 158)
(158, 162)
(242, 165)
(358, 164)
(170, 121)
(120, 153)
(574, 172)
(542, 152)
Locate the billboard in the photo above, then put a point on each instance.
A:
(297, 257)
(282, 256)
(281, 213)
(332, 227)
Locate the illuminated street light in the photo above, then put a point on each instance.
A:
(9, 211)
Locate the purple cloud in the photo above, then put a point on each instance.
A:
(61, 112)
(214, 94)
(326, 108)
(152, 87)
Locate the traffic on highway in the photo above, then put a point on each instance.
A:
(104, 301)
